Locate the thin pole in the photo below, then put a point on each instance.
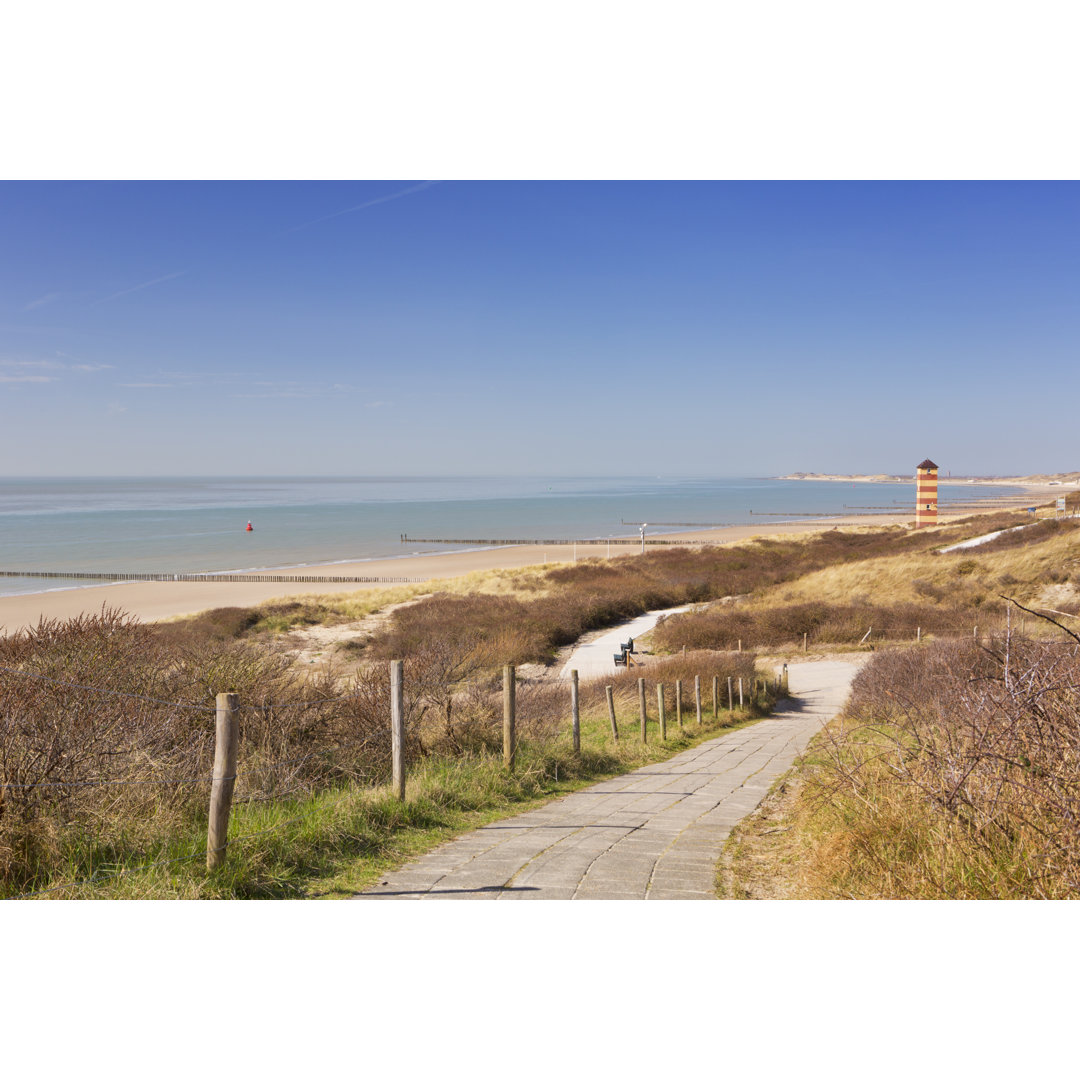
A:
(397, 728)
(226, 736)
(697, 696)
(730, 700)
(575, 711)
(678, 701)
(611, 713)
(509, 718)
(641, 704)
(740, 692)
(660, 708)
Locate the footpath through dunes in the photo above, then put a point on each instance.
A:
(653, 834)
(594, 657)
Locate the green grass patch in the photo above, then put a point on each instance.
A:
(338, 841)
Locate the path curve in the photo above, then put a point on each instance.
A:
(596, 658)
(653, 834)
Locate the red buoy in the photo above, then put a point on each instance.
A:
(250, 527)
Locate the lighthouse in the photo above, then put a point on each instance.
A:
(925, 494)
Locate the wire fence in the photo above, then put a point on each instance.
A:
(243, 774)
(264, 778)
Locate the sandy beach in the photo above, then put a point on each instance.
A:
(157, 600)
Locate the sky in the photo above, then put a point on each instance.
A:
(557, 328)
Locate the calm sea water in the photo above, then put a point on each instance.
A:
(178, 525)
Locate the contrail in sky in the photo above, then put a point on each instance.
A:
(363, 206)
(136, 288)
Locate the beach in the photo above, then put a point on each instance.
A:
(156, 600)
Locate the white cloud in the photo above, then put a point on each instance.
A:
(53, 365)
(41, 301)
(147, 385)
(136, 288)
(371, 202)
(27, 378)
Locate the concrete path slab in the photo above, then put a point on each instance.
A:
(653, 834)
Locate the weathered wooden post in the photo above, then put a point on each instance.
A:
(575, 711)
(678, 701)
(715, 702)
(918, 635)
(397, 728)
(611, 713)
(784, 680)
(804, 641)
(509, 718)
(660, 709)
(697, 696)
(730, 699)
(641, 704)
(740, 644)
(740, 692)
(226, 738)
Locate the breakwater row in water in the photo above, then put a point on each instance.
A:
(634, 540)
(314, 579)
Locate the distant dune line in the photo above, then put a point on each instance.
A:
(94, 575)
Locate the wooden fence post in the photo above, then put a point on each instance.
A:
(226, 737)
(397, 728)
(715, 703)
(660, 709)
(784, 680)
(730, 699)
(697, 696)
(509, 718)
(641, 704)
(804, 642)
(918, 635)
(678, 701)
(575, 711)
(740, 692)
(611, 713)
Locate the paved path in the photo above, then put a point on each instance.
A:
(653, 834)
(597, 657)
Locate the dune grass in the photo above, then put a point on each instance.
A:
(337, 840)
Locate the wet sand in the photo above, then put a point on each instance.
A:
(154, 600)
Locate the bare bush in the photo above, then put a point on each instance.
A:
(956, 773)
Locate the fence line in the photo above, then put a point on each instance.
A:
(227, 770)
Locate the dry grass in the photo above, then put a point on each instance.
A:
(954, 774)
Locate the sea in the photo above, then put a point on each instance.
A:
(198, 524)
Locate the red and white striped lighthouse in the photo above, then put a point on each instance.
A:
(925, 494)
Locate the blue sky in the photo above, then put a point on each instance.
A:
(592, 328)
